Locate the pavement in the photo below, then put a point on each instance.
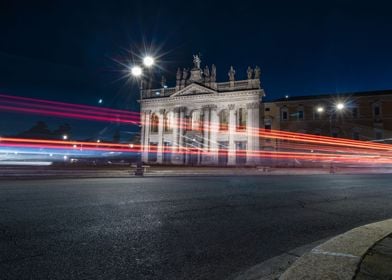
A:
(363, 253)
(201, 227)
(70, 171)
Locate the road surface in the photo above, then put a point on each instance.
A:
(175, 227)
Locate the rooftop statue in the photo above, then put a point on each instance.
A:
(185, 74)
(249, 72)
(163, 81)
(206, 71)
(213, 73)
(231, 74)
(196, 61)
(178, 75)
(257, 72)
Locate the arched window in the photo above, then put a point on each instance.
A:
(241, 119)
(195, 120)
(154, 123)
(168, 122)
(223, 120)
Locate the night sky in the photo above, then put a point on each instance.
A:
(73, 51)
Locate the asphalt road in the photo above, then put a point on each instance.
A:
(175, 227)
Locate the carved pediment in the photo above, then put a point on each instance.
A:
(193, 89)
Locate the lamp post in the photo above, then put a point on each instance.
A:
(137, 73)
(338, 107)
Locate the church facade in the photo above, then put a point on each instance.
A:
(201, 121)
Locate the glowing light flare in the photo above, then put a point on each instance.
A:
(136, 71)
(148, 61)
(340, 106)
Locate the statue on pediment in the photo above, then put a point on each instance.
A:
(257, 72)
(231, 74)
(178, 75)
(185, 74)
(163, 81)
(249, 72)
(196, 61)
(206, 71)
(213, 73)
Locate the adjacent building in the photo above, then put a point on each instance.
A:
(363, 116)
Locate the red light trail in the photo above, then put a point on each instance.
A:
(298, 146)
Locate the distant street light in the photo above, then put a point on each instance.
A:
(65, 137)
(340, 106)
(148, 61)
(320, 109)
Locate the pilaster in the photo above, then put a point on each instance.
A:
(232, 125)
(146, 136)
(160, 136)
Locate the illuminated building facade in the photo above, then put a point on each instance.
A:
(201, 121)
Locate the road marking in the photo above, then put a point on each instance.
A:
(335, 254)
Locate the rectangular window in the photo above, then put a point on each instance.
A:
(300, 115)
(356, 135)
(376, 110)
(379, 135)
(267, 109)
(284, 115)
(267, 127)
(354, 112)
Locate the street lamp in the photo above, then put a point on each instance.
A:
(331, 112)
(65, 137)
(136, 71)
(340, 106)
(148, 61)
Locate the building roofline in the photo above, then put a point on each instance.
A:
(333, 95)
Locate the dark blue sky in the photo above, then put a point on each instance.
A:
(66, 50)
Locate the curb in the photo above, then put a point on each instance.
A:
(340, 257)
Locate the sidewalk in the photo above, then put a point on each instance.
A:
(28, 172)
(363, 253)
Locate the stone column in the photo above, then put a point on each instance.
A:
(214, 128)
(181, 132)
(252, 131)
(249, 133)
(175, 135)
(142, 136)
(232, 126)
(160, 136)
(256, 130)
(146, 136)
(206, 128)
